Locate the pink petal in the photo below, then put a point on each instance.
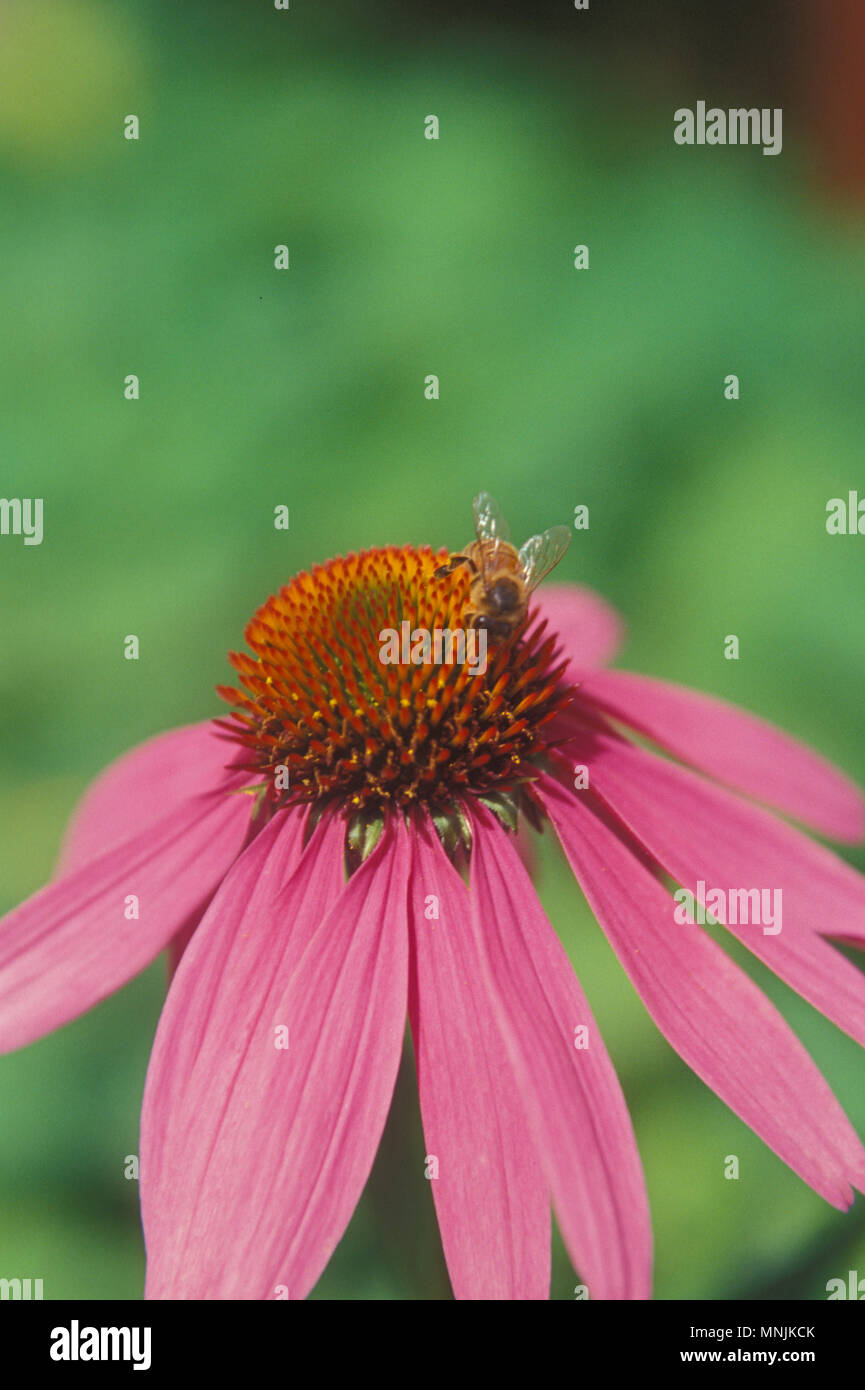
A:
(492, 1201)
(71, 944)
(291, 850)
(253, 1158)
(583, 1130)
(144, 785)
(710, 1011)
(700, 832)
(591, 631)
(735, 747)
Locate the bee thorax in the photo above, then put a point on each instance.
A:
(502, 596)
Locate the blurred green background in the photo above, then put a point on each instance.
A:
(306, 388)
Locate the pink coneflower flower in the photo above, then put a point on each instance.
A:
(339, 854)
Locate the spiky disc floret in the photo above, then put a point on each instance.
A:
(321, 712)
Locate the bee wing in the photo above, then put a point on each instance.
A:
(542, 553)
(490, 525)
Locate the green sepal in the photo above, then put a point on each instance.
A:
(503, 806)
(364, 833)
(453, 828)
(258, 791)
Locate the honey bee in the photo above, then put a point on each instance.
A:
(502, 576)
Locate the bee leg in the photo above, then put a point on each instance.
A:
(453, 564)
